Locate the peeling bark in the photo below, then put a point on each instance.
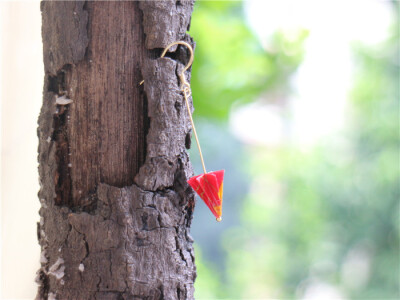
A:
(116, 208)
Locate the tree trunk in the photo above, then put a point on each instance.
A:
(116, 208)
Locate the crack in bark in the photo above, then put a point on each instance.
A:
(63, 176)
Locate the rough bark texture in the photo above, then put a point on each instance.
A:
(116, 208)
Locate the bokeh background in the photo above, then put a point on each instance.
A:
(299, 102)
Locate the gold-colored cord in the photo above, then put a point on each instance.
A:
(185, 88)
(186, 93)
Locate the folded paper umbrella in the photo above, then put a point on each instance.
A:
(208, 186)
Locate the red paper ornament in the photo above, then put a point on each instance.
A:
(209, 187)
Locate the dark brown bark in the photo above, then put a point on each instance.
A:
(116, 208)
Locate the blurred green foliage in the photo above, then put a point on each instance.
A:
(230, 64)
(326, 215)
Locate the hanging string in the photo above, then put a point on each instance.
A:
(187, 92)
(185, 88)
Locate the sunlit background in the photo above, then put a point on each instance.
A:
(299, 102)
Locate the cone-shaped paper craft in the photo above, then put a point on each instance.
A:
(209, 187)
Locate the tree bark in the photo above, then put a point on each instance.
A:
(116, 208)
